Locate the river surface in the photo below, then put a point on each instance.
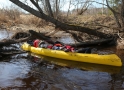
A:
(27, 71)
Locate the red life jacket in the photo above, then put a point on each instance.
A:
(72, 49)
(49, 46)
(58, 45)
(69, 48)
(36, 42)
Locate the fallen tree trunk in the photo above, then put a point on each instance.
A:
(33, 34)
(99, 42)
(16, 38)
(41, 36)
(57, 23)
(7, 53)
(12, 41)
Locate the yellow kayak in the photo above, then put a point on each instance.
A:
(110, 59)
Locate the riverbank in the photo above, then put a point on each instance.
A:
(106, 24)
(30, 22)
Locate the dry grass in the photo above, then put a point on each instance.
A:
(32, 20)
(26, 19)
(14, 17)
(3, 18)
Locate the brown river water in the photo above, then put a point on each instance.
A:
(27, 71)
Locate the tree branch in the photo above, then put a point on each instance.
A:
(59, 24)
(115, 14)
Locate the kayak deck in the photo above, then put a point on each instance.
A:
(110, 59)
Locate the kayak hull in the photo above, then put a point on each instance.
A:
(110, 59)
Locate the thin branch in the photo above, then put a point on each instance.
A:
(115, 14)
(36, 5)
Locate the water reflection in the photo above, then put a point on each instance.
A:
(12, 73)
(98, 77)
(80, 65)
(26, 72)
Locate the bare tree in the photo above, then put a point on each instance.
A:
(48, 6)
(69, 8)
(84, 6)
(118, 13)
(122, 13)
(57, 10)
(58, 24)
(103, 7)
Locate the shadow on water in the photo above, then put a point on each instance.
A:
(30, 72)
